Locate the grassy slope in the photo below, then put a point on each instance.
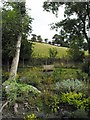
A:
(42, 50)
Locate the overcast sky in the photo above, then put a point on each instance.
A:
(42, 19)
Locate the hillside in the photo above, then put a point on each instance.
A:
(42, 50)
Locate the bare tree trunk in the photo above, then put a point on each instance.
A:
(14, 66)
(23, 62)
(8, 65)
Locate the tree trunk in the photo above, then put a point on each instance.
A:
(8, 65)
(89, 46)
(15, 61)
(23, 62)
(89, 58)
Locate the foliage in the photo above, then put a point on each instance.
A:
(39, 38)
(70, 85)
(75, 52)
(79, 113)
(34, 38)
(78, 100)
(13, 25)
(50, 102)
(67, 73)
(85, 67)
(26, 50)
(5, 76)
(30, 117)
(31, 76)
(53, 52)
(59, 40)
(82, 76)
(14, 89)
(54, 104)
(57, 74)
(71, 27)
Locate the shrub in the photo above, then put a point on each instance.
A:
(31, 117)
(82, 75)
(50, 102)
(52, 52)
(5, 76)
(85, 67)
(78, 100)
(70, 85)
(31, 76)
(75, 52)
(79, 113)
(14, 90)
(56, 75)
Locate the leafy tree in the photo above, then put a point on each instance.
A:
(16, 25)
(49, 42)
(39, 38)
(72, 27)
(52, 52)
(10, 30)
(58, 39)
(75, 53)
(26, 51)
(34, 38)
(46, 39)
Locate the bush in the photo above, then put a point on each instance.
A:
(31, 117)
(78, 100)
(82, 75)
(31, 76)
(57, 74)
(75, 52)
(15, 90)
(79, 113)
(70, 85)
(50, 102)
(52, 52)
(85, 67)
(5, 76)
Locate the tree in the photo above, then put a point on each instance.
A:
(52, 52)
(58, 39)
(26, 51)
(46, 40)
(10, 31)
(75, 53)
(72, 27)
(39, 39)
(16, 24)
(49, 42)
(34, 38)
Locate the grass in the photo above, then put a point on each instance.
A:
(41, 50)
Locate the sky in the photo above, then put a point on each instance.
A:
(43, 19)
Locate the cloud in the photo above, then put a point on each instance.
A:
(42, 19)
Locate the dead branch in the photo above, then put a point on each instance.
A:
(4, 105)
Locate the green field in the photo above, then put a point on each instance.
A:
(41, 50)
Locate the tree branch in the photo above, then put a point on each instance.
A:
(4, 105)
